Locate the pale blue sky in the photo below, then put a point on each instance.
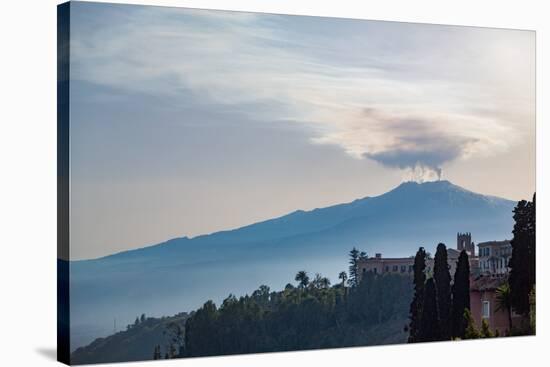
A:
(185, 122)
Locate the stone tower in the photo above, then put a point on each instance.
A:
(464, 242)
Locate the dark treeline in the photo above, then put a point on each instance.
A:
(311, 314)
(361, 308)
(522, 263)
(440, 307)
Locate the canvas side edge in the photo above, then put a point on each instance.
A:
(63, 172)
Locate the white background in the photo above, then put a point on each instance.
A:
(28, 181)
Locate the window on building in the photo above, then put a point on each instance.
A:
(403, 268)
(395, 268)
(387, 268)
(410, 269)
(485, 311)
(374, 270)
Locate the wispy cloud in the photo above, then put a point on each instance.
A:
(411, 97)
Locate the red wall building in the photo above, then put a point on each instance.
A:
(483, 304)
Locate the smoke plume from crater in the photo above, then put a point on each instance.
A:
(419, 146)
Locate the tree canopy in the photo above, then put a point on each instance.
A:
(522, 263)
(417, 304)
(311, 316)
(460, 296)
(442, 278)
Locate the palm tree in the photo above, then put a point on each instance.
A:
(343, 277)
(325, 282)
(316, 282)
(302, 278)
(504, 302)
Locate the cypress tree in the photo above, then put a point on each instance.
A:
(429, 330)
(354, 256)
(442, 278)
(415, 313)
(461, 296)
(522, 262)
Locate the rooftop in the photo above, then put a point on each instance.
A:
(389, 258)
(485, 283)
(494, 243)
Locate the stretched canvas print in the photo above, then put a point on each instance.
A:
(235, 182)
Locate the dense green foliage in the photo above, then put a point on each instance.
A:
(442, 278)
(471, 331)
(522, 263)
(437, 310)
(415, 311)
(440, 309)
(460, 296)
(304, 317)
(429, 323)
(302, 278)
(361, 309)
(354, 256)
(504, 303)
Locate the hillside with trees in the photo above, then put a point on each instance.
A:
(359, 309)
(309, 315)
(270, 252)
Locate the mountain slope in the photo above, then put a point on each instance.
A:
(182, 273)
(136, 343)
